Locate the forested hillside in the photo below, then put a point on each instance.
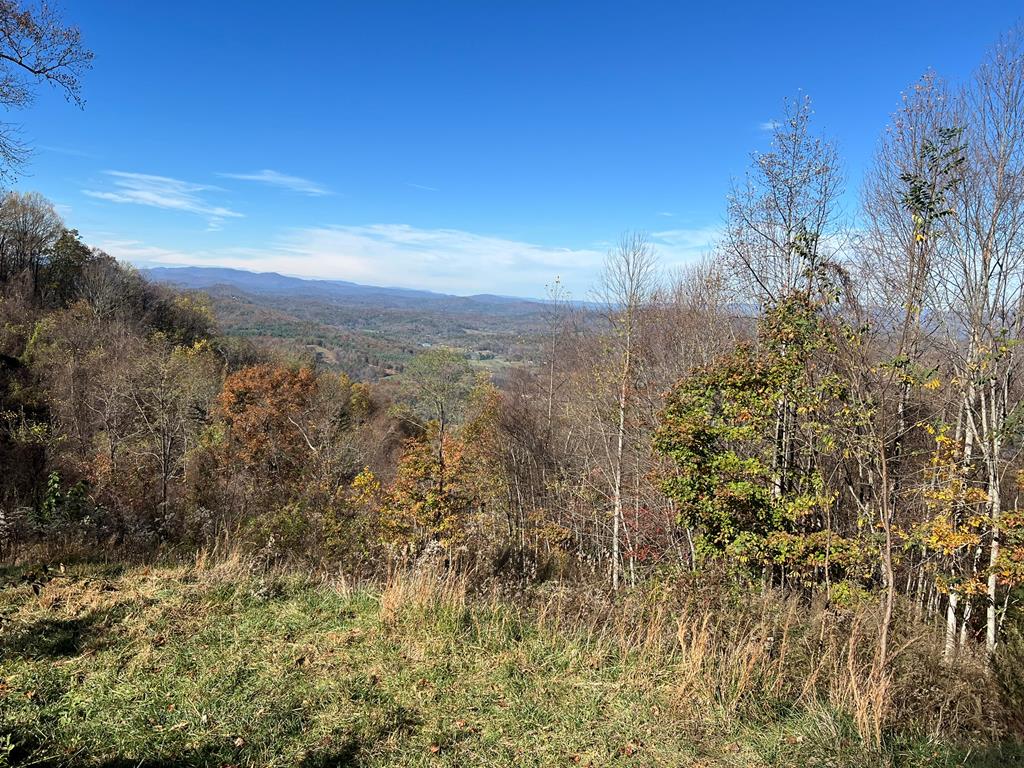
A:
(777, 492)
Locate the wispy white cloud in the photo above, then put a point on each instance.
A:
(163, 192)
(769, 125)
(421, 186)
(666, 214)
(446, 260)
(685, 245)
(282, 180)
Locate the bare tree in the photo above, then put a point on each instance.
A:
(781, 217)
(905, 200)
(36, 47)
(29, 227)
(627, 285)
(983, 285)
(555, 319)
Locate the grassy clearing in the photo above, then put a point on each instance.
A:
(214, 667)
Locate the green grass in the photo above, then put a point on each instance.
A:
(161, 666)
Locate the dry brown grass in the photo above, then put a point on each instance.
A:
(710, 658)
(746, 656)
(421, 589)
(711, 678)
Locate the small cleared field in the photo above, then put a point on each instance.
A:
(105, 666)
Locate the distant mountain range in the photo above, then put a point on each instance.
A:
(220, 280)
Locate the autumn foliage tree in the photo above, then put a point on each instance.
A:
(718, 429)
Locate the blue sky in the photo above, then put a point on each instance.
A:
(458, 146)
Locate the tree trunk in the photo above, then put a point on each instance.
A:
(949, 650)
(617, 471)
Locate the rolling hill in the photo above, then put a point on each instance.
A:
(367, 331)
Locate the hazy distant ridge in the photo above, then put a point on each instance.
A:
(272, 283)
